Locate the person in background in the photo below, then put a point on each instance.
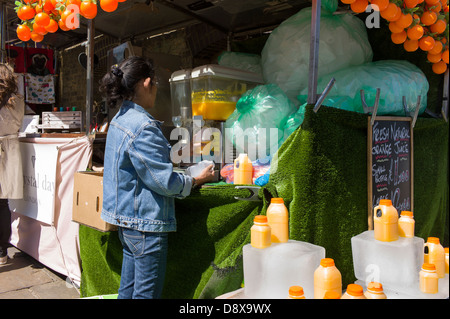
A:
(11, 180)
(139, 184)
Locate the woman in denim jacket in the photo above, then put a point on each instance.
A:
(139, 184)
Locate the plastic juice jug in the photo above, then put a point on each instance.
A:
(260, 232)
(296, 292)
(429, 280)
(406, 224)
(354, 291)
(332, 295)
(278, 218)
(385, 221)
(243, 170)
(446, 259)
(375, 291)
(434, 253)
(327, 278)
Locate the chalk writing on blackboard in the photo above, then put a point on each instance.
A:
(390, 163)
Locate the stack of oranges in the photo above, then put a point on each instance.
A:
(415, 24)
(40, 17)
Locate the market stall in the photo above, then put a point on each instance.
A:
(324, 106)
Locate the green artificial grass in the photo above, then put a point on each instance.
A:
(321, 173)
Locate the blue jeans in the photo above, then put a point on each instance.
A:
(144, 264)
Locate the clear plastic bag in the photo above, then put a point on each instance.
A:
(395, 78)
(239, 60)
(260, 113)
(285, 56)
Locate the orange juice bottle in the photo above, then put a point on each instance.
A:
(434, 253)
(375, 291)
(406, 224)
(296, 292)
(327, 278)
(260, 232)
(243, 170)
(332, 295)
(446, 259)
(278, 218)
(385, 221)
(429, 280)
(354, 291)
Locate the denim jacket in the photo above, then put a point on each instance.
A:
(139, 184)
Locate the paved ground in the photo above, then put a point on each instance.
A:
(23, 277)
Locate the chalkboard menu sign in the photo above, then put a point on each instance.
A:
(390, 167)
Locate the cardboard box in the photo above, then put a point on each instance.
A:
(88, 201)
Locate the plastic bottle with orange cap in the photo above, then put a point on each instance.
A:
(429, 279)
(278, 219)
(260, 232)
(385, 221)
(406, 224)
(296, 292)
(354, 291)
(327, 278)
(375, 291)
(434, 253)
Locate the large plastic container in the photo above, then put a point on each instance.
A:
(278, 218)
(327, 278)
(434, 253)
(260, 232)
(180, 92)
(429, 279)
(385, 221)
(216, 89)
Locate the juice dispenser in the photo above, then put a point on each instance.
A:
(180, 91)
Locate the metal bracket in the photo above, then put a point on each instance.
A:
(367, 109)
(416, 111)
(254, 193)
(324, 94)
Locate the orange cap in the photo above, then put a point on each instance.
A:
(427, 266)
(433, 240)
(386, 202)
(327, 262)
(260, 219)
(277, 200)
(296, 291)
(406, 213)
(375, 286)
(354, 290)
(332, 295)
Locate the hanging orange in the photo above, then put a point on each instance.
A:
(390, 11)
(88, 9)
(426, 43)
(415, 32)
(398, 38)
(410, 3)
(42, 19)
(431, 2)
(439, 67)
(36, 37)
(23, 32)
(52, 27)
(411, 45)
(428, 17)
(438, 27)
(382, 4)
(26, 13)
(359, 6)
(445, 56)
(434, 58)
(404, 21)
(394, 28)
(437, 49)
(109, 5)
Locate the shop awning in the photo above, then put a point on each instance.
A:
(139, 18)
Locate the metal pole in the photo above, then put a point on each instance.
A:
(89, 74)
(2, 31)
(314, 52)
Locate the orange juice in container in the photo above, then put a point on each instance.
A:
(375, 291)
(429, 279)
(406, 224)
(385, 221)
(243, 170)
(434, 253)
(260, 232)
(354, 291)
(296, 292)
(327, 278)
(278, 218)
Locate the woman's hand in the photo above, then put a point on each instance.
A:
(207, 175)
